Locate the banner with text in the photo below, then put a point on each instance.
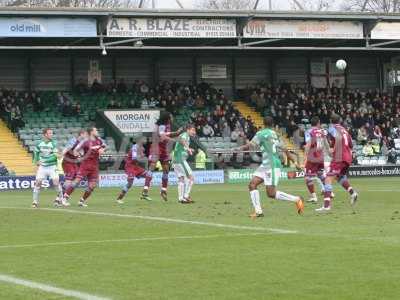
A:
(133, 121)
(213, 71)
(200, 177)
(10, 183)
(245, 175)
(386, 31)
(48, 27)
(303, 29)
(171, 28)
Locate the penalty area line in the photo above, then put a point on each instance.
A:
(161, 238)
(49, 288)
(162, 219)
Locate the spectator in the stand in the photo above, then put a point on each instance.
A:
(367, 149)
(121, 87)
(81, 86)
(199, 102)
(143, 87)
(201, 160)
(96, 87)
(67, 109)
(190, 101)
(112, 104)
(16, 119)
(226, 130)
(60, 101)
(3, 170)
(208, 131)
(378, 133)
(362, 135)
(235, 134)
(37, 104)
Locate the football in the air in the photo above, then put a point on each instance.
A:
(341, 64)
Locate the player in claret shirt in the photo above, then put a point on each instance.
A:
(341, 161)
(315, 149)
(161, 147)
(132, 170)
(92, 148)
(70, 163)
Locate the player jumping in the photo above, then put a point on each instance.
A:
(315, 149)
(92, 148)
(181, 167)
(45, 157)
(341, 161)
(269, 171)
(132, 170)
(70, 163)
(160, 149)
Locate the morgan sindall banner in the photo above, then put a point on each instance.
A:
(171, 28)
(286, 29)
(133, 121)
(48, 27)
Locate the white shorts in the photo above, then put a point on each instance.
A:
(327, 165)
(47, 172)
(182, 169)
(270, 176)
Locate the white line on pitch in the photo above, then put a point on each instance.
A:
(161, 238)
(161, 219)
(49, 288)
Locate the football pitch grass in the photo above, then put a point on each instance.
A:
(207, 250)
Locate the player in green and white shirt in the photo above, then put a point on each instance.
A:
(181, 167)
(267, 141)
(45, 157)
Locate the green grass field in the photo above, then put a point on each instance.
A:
(121, 255)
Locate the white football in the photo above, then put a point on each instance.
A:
(341, 64)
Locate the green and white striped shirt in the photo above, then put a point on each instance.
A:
(180, 152)
(46, 153)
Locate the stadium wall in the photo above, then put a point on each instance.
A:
(61, 70)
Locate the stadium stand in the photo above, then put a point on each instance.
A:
(371, 117)
(221, 123)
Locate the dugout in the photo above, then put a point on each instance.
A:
(231, 49)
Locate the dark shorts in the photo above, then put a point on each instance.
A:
(338, 168)
(70, 170)
(313, 169)
(91, 172)
(133, 171)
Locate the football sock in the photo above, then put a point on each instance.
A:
(69, 190)
(255, 200)
(125, 189)
(181, 189)
(60, 191)
(147, 181)
(164, 181)
(285, 197)
(327, 195)
(188, 187)
(36, 191)
(310, 185)
(87, 193)
(346, 184)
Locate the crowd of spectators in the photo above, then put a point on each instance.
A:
(214, 113)
(13, 104)
(372, 117)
